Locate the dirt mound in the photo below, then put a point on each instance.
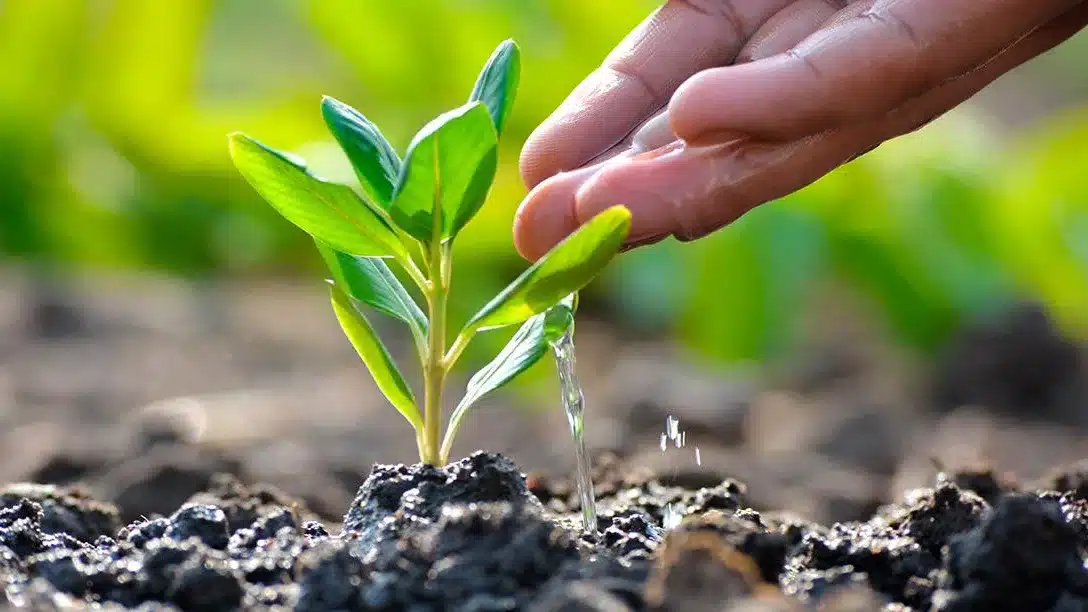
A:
(474, 536)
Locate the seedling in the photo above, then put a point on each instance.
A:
(408, 213)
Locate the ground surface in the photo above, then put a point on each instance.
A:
(151, 390)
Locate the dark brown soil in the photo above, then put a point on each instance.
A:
(472, 536)
(847, 478)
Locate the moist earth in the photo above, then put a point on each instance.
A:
(479, 535)
(842, 435)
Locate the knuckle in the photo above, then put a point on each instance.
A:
(721, 10)
(895, 24)
(622, 70)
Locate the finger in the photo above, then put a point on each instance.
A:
(638, 77)
(691, 192)
(858, 69)
(923, 110)
(783, 30)
(547, 214)
(787, 28)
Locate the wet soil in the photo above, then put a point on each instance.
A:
(150, 415)
(478, 535)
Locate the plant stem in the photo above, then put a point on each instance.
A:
(435, 369)
(434, 374)
(436, 291)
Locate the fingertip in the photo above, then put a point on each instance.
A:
(532, 162)
(523, 242)
(774, 99)
(546, 215)
(684, 107)
(700, 111)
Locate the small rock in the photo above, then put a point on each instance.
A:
(206, 523)
(144, 531)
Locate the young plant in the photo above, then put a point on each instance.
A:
(409, 213)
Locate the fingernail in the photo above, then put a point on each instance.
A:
(654, 133)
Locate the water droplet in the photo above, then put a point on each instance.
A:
(698, 457)
(671, 518)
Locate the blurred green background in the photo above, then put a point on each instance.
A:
(114, 115)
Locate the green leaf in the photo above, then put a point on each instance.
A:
(375, 356)
(330, 212)
(447, 172)
(565, 269)
(375, 161)
(497, 84)
(524, 350)
(370, 281)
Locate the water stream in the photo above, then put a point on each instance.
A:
(574, 404)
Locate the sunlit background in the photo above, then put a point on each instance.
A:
(143, 281)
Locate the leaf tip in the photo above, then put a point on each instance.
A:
(621, 215)
(330, 106)
(510, 44)
(240, 147)
(236, 140)
(339, 115)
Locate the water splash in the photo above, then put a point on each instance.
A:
(574, 404)
(673, 514)
(671, 518)
(672, 427)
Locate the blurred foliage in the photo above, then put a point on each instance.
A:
(114, 115)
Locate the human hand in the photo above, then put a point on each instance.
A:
(712, 107)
